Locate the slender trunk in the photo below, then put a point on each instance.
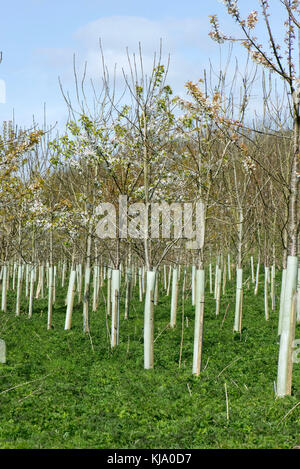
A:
(128, 286)
(149, 321)
(115, 288)
(257, 276)
(282, 294)
(169, 281)
(210, 279)
(224, 279)
(218, 288)
(252, 270)
(108, 305)
(182, 317)
(4, 289)
(199, 320)
(174, 298)
(50, 283)
(31, 292)
(238, 301)
(87, 274)
(193, 284)
(298, 296)
(284, 375)
(239, 278)
(285, 362)
(229, 267)
(70, 299)
(19, 287)
(266, 292)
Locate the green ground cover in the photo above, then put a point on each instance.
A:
(63, 389)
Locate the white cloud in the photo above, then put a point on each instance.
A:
(186, 40)
(119, 32)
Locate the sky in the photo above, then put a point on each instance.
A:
(39, 38)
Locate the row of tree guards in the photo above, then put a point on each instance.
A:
(229, 149)
(41, 280)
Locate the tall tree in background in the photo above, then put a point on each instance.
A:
(283, 65)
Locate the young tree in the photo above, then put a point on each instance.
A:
(284, 66)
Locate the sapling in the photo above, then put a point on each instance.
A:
(169, 280)
(210, 279)
(298, 297)
(108, 304)
(182, 315)
(284, 66)
(257, 276)
(115, 295)
(199, 318)
(70, 298)
(149, 321)
(19, 287)
(218, 288)
(4, 288)
(252, 269)
(174, 297)
(31, 291)
(282, 293)
(229, 267)
(224, 279)
(156, 288)
(273, 280)
(266, 292)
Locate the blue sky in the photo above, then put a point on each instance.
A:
(39, 37)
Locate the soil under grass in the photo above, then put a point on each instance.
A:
(64, 389)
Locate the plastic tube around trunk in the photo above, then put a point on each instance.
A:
(50, 297)
(266, 293)
(87, 275)
(252, 270)
(193, 285)
(31, 292)
(229, 268)
(19, 281)
(108, 304)
(282, 291)
(210, 279)
(4, 289)
(298, 297)
(273, 277)
(174, 298)
(199, 316)
(284, 372)
(218, 289)
(70, 300)
(115, 287)
(257, 278)
(149, 320)
(238, 301)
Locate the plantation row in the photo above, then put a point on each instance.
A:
(108, 190)
(177, 282)
(66, 389)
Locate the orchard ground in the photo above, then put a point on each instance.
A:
(66, 389)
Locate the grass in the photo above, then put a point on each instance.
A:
(63, 389)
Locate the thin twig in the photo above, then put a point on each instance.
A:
(225, 315)
(238, 358)
(23, 384)
(296, 405)
(206, 364)
(167, 326)
(30, 394)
